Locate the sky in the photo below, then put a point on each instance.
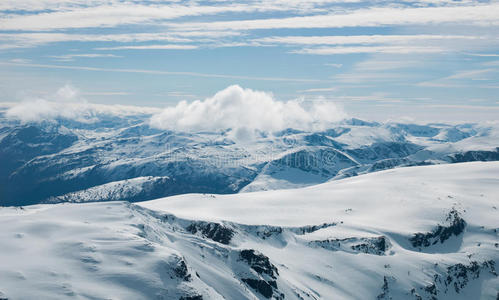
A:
(423, 60)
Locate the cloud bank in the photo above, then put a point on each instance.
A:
(245, 109)
(67, 103)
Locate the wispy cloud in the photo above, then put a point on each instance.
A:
(464, 79)
(335, 65)
(111, 15)
(479, 15)
(363, 39)
(158, 72)
(71, 57)
(106, 93)
(483, 54)
(385, 64)
(319, 90)
(151, 47)
(369, 49)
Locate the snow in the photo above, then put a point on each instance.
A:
(318, 242)
(372, 198)
(69, 157)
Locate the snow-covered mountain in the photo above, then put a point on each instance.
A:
(426, 232)
(123, 157)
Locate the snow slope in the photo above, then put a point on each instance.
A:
(411, 233)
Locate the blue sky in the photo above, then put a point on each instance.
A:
(423, 60)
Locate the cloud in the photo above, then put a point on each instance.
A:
(65, 103)
(335, 65)
(152, 47)
(157, 72)
(362, 39)
(369, 49)
(479, 15)
(111, 15)
(319, 90)
(71, 57)
(463, 79)
(68, 103)
(245, 109)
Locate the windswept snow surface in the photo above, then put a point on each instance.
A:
(411, 233)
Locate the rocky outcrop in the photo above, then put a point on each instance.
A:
(259, 262)
(454, 279)
(264, 279)
(441, 233)
(214, 231)
(369, 245)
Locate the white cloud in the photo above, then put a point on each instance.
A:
(462, 79)
(319, 90)
(157, 72)
(335, 65)
(245, 109)
(368, 49)
(363, 39)
(479, 15)
(384, 64)
(152, 47)
(111, 15)
(67, 103)
(71, 57)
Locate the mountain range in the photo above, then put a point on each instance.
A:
(116, 157)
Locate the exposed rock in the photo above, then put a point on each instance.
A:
(181, 271)
(459, 275)
(385, 289)
(191, 297)
(264, 282)
(475, 156)
(371, 245)
(440, 233)
(268, 231)
(213, 231)
(263, 287)
(259, 262)
(456, 277)
(312, 228)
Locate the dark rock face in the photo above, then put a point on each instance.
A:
(455, 278)
(385, 289)
(194, 297)
(475, 156)
(372, 245)
(269, 231)
(459, 275)
(312, 228)
(440, 233)
(259, 262)
(263, 287)
(265, 282)
(213, 231)
(181, 271)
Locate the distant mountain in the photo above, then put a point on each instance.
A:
(410, 233)
(70, 161)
